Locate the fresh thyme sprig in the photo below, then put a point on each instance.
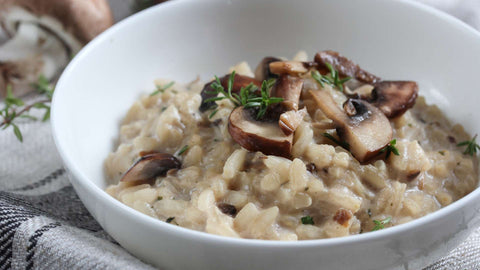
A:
(15, 108)
(333, 79)
(246, 97)
(380, 224)
(343, 144)
(390, 148)
(161, 89)
(472, 146)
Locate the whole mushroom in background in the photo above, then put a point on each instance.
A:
(43, 36)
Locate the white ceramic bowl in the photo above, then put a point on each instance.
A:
(183, 39)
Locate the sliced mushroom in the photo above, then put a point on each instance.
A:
(394, 98)
(289, 88)
(294, 68)
(239, 81)
(274, 135)
(344, 66)
(262, 72)
(290, 120)
(364, 127)
(150, 166)
(44, 34)
(263, 136)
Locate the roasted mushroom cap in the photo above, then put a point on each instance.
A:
(344, 66)
(44, 34)
(263, 136)
(150, 166)
(262, 72)
(364, 127)
(394, 98)
(239, 81)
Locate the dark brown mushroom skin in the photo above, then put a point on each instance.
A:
(247, 132)
(262, 72)
(344, 66)
(239, 81)
(394, 98)
(150, 166)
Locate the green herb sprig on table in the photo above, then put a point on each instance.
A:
(246, 97)
(15, 108)
(472, 146)
(390, 148)
(380, 224)
(333, 79)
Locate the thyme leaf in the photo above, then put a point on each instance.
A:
(390, 148)
(332, 79)
(246, 96)
(307, 220)
(161, 89)
(15, 108)
(472, 146)
(380, 224)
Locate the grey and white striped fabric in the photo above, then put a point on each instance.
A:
(43, 224)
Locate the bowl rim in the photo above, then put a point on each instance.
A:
(80, 178)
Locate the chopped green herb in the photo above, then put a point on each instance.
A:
(170, 219)
(390, 148)
(442, 153)
(333, 79)
(163, 109)
(159, 198)
(161, 89)
(185, 148)
(247, 96)
(212, 113)
(307, 220)
(343, 144)
(472, 146)
(380, 224)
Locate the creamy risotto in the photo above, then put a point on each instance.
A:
(297, 150)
